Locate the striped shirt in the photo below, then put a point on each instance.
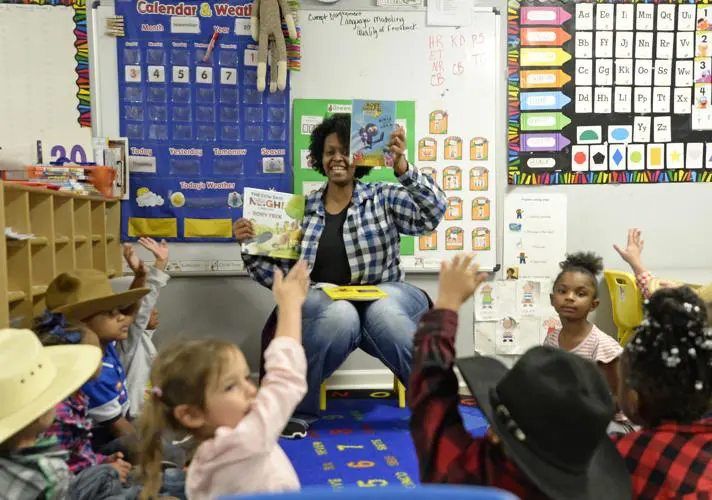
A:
(597, 346)
(376, 217)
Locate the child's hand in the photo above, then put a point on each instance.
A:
(121, 466)
(159, 250)
(458, 281)
(136, 264)
(293, 288)
(634, 248)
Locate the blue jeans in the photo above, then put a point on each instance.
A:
(331, 330)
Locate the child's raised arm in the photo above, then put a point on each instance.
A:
(631, 254)
(439, 435)
(284, 384)
(159, 251)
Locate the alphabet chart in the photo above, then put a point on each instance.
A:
(609, 92)
(199, 131)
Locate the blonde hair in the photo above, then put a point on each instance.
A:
(180, 375)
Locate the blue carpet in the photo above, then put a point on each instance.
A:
(363, 440)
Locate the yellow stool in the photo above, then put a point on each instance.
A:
(627, 302)
(398, 388)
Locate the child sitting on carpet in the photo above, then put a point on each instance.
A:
(548, 414)
(666, 385)
(574, 296)
(202, 387)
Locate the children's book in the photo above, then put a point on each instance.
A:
(372, 123)
(277, 220)
(357, 292)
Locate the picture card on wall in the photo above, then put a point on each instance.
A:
(694, 157)
(599, 158)
(636, 156)
(617, 157)
(675, 155)
(656, 156)
(579, 158)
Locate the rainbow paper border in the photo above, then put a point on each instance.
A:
(516, 177)
(81, 55)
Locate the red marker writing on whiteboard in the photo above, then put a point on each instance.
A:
(211, 46)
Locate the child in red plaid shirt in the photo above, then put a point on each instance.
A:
(665, 386)
(548, 414)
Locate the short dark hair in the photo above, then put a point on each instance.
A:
(668, 359)
(587, 263)
(339, 123)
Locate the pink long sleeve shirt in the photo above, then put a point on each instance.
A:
(248, 458)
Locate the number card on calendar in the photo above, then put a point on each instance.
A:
(199, 131)
(619, 92)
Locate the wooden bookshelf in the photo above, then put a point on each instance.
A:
(69, 231)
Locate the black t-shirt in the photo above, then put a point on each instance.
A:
(332, 264)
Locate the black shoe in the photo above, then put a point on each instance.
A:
(296, 429)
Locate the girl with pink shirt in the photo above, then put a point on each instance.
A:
(202, 388)
(574, 297)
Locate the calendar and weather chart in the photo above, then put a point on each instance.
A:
(609, 92)
(199, 131)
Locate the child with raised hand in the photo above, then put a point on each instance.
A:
(85, 296)
(548, 414)
(647, 282)
(137, 351)
(666, 384)
(574, 297)
(202, 388)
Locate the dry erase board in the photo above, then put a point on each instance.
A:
(453, 76)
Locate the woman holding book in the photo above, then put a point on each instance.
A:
(352, 237)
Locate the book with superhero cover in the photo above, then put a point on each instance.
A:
(372, 123)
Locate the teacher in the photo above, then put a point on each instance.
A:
(352, 237)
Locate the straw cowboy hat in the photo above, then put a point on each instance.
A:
(83, 293)
(34, 378)
(551, 411)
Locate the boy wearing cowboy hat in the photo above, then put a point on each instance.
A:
(548, 415)
(86, 295)
(33, 379)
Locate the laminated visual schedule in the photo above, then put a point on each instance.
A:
(609, 92)
(199, 131)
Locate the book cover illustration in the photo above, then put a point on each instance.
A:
(277, 219)
(372, 123)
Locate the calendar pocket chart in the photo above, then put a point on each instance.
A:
(609, 92)
(199, 131)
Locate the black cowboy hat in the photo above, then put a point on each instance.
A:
(550, 412)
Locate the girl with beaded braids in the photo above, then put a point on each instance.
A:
(665, 387)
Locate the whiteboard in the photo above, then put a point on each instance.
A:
(38, 75)
(345, 69)
(395, 55)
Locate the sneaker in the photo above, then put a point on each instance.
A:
(296, 429)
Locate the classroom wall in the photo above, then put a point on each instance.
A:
(677, 246)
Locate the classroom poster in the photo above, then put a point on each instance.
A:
(459, 157)
(308, 113)
(534, 235)
(511, 317)
(199, 131)
(609, 92)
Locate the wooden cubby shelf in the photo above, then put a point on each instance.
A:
(68, 231)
